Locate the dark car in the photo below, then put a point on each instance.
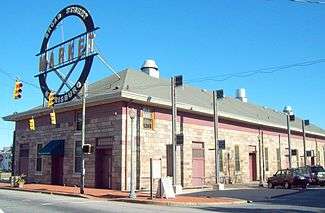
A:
(288, 178)
(316, 173)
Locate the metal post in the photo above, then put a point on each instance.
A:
(132, 194)
(173, 128)
(151, 180)
(280, 151)
(260, 157)
(263, 157)
(82, 175)
(216, 143)
(304, 141)
(289, 137)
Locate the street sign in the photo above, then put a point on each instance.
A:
(222, 144)
(180, 139)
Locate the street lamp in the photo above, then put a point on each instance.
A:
(290, 117)
(303, 124)
(132, 194)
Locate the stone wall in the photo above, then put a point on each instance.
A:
(101, 122)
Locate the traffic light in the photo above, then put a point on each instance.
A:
(53, 118)
(51, 99)
(31, 123)
(87, 149)
(18, 90)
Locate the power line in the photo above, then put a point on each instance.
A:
(308, 1)
(266, 70)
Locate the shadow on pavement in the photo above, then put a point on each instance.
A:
(257, 194)
(252, 210)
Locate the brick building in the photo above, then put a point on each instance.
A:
(256, 137)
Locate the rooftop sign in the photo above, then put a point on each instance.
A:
(67, 53)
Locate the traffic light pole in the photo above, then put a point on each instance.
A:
(82, 175)
(173, 128)
(216, 144)
(289, 139)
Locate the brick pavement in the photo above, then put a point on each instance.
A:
(92, 193)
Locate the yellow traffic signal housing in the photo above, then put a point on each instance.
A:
(31, 123)
(51, 99)
(18, 89)
(53, 118)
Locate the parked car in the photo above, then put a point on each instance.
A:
(288, 178)
(316, 173)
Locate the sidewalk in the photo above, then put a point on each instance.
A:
(92, 193)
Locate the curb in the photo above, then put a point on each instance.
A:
(189, 204)
(44, 192)
(127, 200)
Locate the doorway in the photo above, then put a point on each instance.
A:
(252, 166)
(197, 164)
(23, 159)
(57, 170)
(103, 169)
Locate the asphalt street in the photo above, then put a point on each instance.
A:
(311, 200)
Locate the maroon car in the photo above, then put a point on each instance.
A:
(288, 178)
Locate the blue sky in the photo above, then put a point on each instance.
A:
(199, 39)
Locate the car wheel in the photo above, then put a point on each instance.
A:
(270, 185)
(287, 185)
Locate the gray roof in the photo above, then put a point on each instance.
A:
(138, 85)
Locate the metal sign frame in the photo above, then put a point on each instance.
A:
(46, 65)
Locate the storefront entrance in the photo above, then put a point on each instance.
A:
(57, 170)
(103, 168)
(197, 164)
(252, 166)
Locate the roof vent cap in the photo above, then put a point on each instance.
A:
(150, 67)
(241, 94)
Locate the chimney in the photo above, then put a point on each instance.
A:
(241, 94)
(150, 67)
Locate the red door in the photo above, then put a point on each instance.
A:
(57, 170)
(197, 164)
(252, 166)
(103, 169)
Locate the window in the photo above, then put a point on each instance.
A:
(278, 158)
(39, 158)
(77, 157)
(237, 158)
(79, 120)
(220, 160)
(266, 159)
(148, 118)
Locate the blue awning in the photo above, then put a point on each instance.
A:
(54, 148)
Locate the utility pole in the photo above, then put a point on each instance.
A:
(216, 144)
(260, 157)
(132, 194)
(289, 139)
(304, 141)
(82, 175)
(304, 123)
(174, 113)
